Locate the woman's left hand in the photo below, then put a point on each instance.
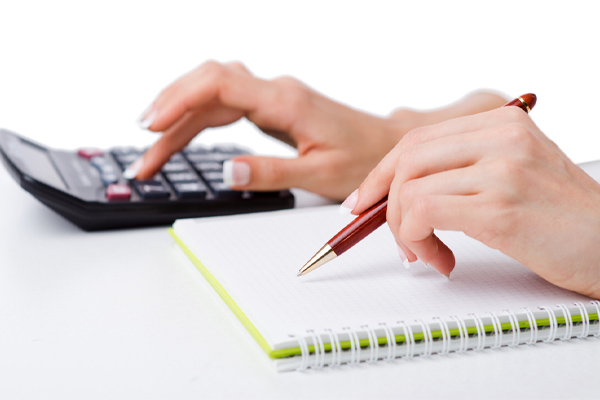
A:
(496, 177)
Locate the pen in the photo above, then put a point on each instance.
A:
(375, 216)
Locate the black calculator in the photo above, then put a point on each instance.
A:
(87, 187)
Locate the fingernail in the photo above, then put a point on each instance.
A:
(236, 173)
(132, 171)
(349, 204)
(426, 265)
(147, 118)
(403, 258)
(447, 275)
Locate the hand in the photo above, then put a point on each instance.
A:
(496, 177)
(337, 146)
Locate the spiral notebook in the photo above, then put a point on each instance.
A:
(365, 306)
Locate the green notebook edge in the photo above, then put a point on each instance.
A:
(382, 341)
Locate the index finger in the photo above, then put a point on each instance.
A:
(229, 86)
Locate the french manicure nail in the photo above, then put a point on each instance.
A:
(426, 265)
(147, 118)
(132, 171)
(403, 258)
(349, 204)
(236, 173)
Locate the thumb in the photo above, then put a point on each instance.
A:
(264, 173)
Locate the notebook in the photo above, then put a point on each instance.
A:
(365, 306)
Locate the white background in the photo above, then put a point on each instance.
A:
(76, 321)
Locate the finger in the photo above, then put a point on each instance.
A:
(464, 181)
(443, 212)
(430, 157)
(172, 141)
(229, 87)
(267, 173)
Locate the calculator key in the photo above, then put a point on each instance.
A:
(182, 177)
(152, 190)
(177, 157)
(213, 176)
(127, 158)
(208, 166)
(89, 152)
(195, 150)
(100, 162)
(209, 157)
(109, 177)
(117, 151)
(229, 149)
(118, 192)
(190, 189)
(174, 166)
(221, 190)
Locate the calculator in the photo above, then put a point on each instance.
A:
(87, 187)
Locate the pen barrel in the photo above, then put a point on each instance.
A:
(360, 227)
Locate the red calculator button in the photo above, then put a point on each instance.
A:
(89, 152)
(118, 191)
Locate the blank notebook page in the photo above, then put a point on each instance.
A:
(256, 258)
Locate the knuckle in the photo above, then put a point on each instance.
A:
(403, 114)
(213, 70)
(291, 98)
(413, 137)
(286, 81)
(408, 191)
(422, 206)
(237, 65)
(514, 113)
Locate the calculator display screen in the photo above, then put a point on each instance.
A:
(39, 165)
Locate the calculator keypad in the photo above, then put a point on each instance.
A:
(196, 173)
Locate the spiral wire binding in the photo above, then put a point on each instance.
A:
(596, 304)
(445, 335)
(409, 339)
(585, 320)
(480, 332)
(354, 346)
(391, 341)
(304, 353)
(532, 325)
(568, 321)
(553, 324)
(410, 342)
(319, 349)
(427, 338)
(515, 328)
(336, 348)
(497, 330)
(373, 344)
(463, 333)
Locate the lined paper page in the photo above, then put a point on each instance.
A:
(256, 258)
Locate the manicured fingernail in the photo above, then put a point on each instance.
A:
(426, 265)
(403, 258)
(236, 173)
(132, 171)
(447, 275)
(147, 118)
(349, 204)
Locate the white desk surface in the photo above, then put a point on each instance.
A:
(121, 314)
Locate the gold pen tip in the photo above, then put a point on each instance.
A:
(300, 273)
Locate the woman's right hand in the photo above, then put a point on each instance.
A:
(337, 145)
